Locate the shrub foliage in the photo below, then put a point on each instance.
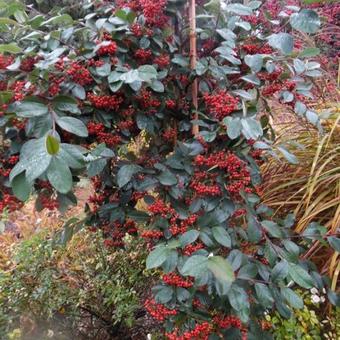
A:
(112, 96)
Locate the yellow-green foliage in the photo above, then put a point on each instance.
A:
(307, 323)
(45, 282)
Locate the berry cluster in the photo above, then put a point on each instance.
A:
(27, 65)
(22, 89)
(200, 332)
(5, 61)
(208, 45)
(153, 12)
(9, 202)
(127, 125)
(108, 47)
(192, 248)
(170, 104)
(55, 83)
(7, 164)
(79, 74)
(181, 227)
(115, 237)
(47, 202)
(152, 234)
(236, 170)
(146, 100)
(227, 321)
(256, 49)
(220, 104)
(201, 189)
(173, 279)
(143, 56)
(105, 102)
(170, 134)
(160, 208)
(157, 310)
(95, 128)
(137, 30)
(162, 61)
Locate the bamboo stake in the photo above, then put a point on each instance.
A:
(193, 59)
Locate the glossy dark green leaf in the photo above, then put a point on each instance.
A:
(59, 175)
(264, 295)
(292, 298)
(126, 172)
(300, 276)
(306, 21)
(157, 257)
(221, 236)
(195, 265)
(73, 125)
(21, 187)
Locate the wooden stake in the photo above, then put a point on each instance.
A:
(193, 59)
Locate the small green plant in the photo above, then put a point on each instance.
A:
(307, 323)
(81, 284)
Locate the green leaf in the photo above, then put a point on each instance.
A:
(289, 156)
(300, 276)
(282, 41)
(21, 187)
(164, 294)
(147, 73)
(334, 242)
(104, 70)
(233, 126)
(157, 257)
(27, 109)
(66, 103)
(63, 19)
(79, 92)
(95, 167)
(280, 271)
(221, 269)
(292, 298)
(244, 94)
(251, 128)
(180, 60)
(252, 78)
(73, 125)
(59, 175)
(188, 237)
(126, 172)
(272, 228)
(238, 298)
(34, 158)
(10, 48)
(239, 9)
(221, 236)
(309, 52)
(226, 33)
(130, 77)
(167, 178)
(52, 145)
(306, 21)
(264, 295)
(157, 86)
(195, 266)
(7, 21)
(255, 62)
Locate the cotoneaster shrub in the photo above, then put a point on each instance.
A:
(112, 96)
